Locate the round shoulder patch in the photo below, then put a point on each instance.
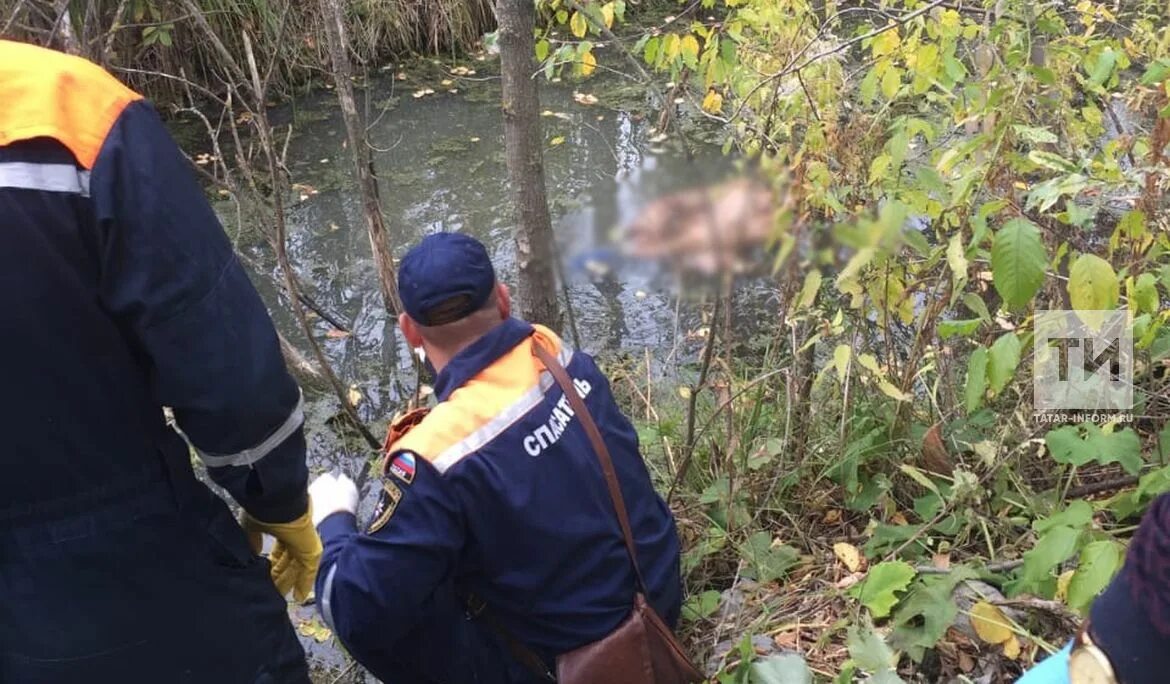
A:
(387, 504)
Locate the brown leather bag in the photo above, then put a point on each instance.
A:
(642, 649)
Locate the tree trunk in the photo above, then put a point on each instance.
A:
(355, 132)
(523, 140)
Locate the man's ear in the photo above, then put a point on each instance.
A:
(410, 330)
(503, 300)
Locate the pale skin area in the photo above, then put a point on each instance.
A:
(441, 343)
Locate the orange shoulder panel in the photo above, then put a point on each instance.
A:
(45, 93)
(481, 404)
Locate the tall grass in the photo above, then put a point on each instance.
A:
(117, 34)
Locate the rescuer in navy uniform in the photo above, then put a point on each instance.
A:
(493, 493)
(120, 296)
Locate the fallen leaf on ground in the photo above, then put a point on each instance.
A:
(354, 395)
(848, 555)
(313, 628)
(991, 624)
(1011, 648)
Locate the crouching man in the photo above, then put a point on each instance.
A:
(494, 546)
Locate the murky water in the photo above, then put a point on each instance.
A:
(440, 159)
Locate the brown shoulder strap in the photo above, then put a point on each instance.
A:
(615, 492)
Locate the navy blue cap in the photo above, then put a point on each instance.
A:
(444, 278)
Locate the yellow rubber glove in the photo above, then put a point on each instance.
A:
(294, 557)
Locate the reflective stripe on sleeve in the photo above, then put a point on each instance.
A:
(47, 177)
(327, 597)
(249, 456)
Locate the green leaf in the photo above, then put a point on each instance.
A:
(1123, 447)
(927, 612)
(957, 260)
(977, 306)
(976, 379)
(1004, 356)
(1035, 135)
(541, 50)
(1100, 561)
(781, 668)
(1103, 67)
(961, 328)
(699, 606)
(1145, 293)
(1157, 72)
(1051, 161)
(808, 292)
(1078, 444)
(650, 52)
(1092, 284)
(878, 591)
(1055, 547)
(867, 91)
(769, 563)
(1018, 261)
(868, 650)
(891, 81)
(1078, 515)
(1066, 446)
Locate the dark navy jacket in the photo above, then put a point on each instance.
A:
(121, 295)
(497, 492)
(1131, 619)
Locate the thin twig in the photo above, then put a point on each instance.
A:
(12, 17)
(261, 118)
(1099, 487)
(115, 26)
(704, 368)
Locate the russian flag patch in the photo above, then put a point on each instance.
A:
(403, 466)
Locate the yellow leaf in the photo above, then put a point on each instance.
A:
(559, 140)
(1062, 583)
(713, 104)
(354, 395)
(841, 357)
(886, 43)
(670, 46)
(607, 14)
(991, 624)
(684, 392)
(335, 334)
(578, 25)
(870, 363)
(689, 47)
(849, 556)
(588, 63)
(891, 81)
(1011, 648)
